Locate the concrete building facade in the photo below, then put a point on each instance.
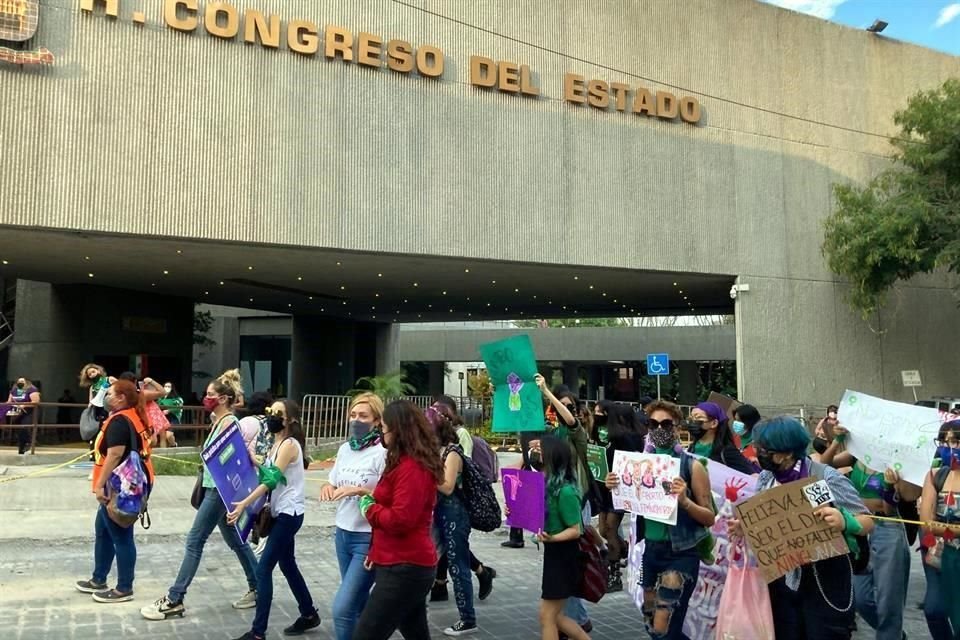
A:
(349, 164)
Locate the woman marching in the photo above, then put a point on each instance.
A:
(400, 513)
(219, 402)
(125, 425)
(357, 470)
(880, 590)
(814, 602)
(745, 418)
(282, 475)
(671, 561)
(712, 438)
(940, 507)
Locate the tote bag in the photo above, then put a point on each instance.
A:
(744, 609)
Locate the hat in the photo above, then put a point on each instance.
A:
(713, 411)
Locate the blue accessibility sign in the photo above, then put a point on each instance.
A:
(658, 364)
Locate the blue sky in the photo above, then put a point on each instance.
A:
(929, 23)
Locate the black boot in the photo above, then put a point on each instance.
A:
(516, 539)
(614, 579)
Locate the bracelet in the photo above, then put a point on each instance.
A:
(851, 525)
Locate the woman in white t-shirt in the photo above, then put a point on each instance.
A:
(282, 475)
(360, 463)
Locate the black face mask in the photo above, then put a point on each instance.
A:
(599, 419)
(695, 429)
(275, 424)
(20, 385)
(766, 461)
(820, 445)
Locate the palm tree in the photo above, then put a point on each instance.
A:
(389, 386)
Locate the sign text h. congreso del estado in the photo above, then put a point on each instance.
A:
(307, 38)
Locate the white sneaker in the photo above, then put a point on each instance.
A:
(258, 550)
(248, 601)
(162, 609)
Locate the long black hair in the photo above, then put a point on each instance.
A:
(557, 463)
(295, 427)
(623, 425)
(748, 415)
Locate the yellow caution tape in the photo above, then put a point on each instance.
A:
(45, 470)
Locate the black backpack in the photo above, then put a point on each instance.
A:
(477, 494)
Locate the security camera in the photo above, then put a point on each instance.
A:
(733, 292)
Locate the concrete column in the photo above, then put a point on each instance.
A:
(435, 378)
(689, 378)
(571, 376)
(594, 381)
(388, 348)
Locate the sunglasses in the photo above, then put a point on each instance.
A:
(568, 405)
(662, 424)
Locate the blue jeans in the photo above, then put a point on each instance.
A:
(453, 525)
(881, 592)
(671, 576)
(934, 608)
(355, 581)
(575, 610)
(210, 515)
(279, 550)
(113, 541)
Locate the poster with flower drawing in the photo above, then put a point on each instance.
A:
(645, 481)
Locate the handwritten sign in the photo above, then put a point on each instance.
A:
(645, 480)
(783, 531)
(233, 472)
(886, 434)
(597, 461)
(524, 493)
(517, 402)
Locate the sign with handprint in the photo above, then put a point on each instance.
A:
(890, 435)
(524, 496)
(517, 404)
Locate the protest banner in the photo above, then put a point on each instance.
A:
(233, 472)
(645, 480)
(783, 531)
(729, 487)
(597, 461)
(886, 434)
(524, 493)
(517, 402)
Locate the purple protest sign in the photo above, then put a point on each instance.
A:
(233, 472)
(525, 495)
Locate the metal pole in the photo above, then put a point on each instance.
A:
(658, 388)
(914, 393)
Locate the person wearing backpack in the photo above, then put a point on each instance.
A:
(452, 527)
(939, 544)
(253, 425)
(125, 425)
(671, 561)
(445, 410)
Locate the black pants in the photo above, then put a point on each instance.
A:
(804, 614)
(398, 602)
(23, 433)
(442, 566)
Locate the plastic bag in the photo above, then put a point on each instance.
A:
(744, 612)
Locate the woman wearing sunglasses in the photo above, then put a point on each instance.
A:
(671, 561)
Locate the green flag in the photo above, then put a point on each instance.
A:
(517, 403)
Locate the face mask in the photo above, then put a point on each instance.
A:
(359, 428)
(663, 438)
(599, 419)
(832, 415)
(949, 457)
(766, 461)
(739, 428)
(20, 385)
(536, 460)
(209, 404)
(695, 429)
(167, 390)
(275, 424)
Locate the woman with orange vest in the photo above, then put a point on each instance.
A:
(125, 425)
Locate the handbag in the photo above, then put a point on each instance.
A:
(199, 491)
(129, 486)
(89, 424)
(158, 422)
(264, 522)
(744, 611)
(593, 571)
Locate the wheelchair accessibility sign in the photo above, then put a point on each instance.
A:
(658, 364)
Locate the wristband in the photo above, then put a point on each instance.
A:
(840, 438)
(365, 503)
(850, 524)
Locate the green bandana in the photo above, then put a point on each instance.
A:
(372, 437)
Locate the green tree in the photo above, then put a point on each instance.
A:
(202, 324)
(906, 220)
(571, 322)
(388, 386)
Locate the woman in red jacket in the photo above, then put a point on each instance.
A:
(400, 512)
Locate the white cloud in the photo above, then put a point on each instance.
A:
(947, 14)
(819, 8)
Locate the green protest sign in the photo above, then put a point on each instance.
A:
(517, 403)
(597, 461)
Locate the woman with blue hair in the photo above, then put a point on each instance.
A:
(813, 602)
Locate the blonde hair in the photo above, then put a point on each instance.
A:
(86, 382)
(229, 385)
(372, 399)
